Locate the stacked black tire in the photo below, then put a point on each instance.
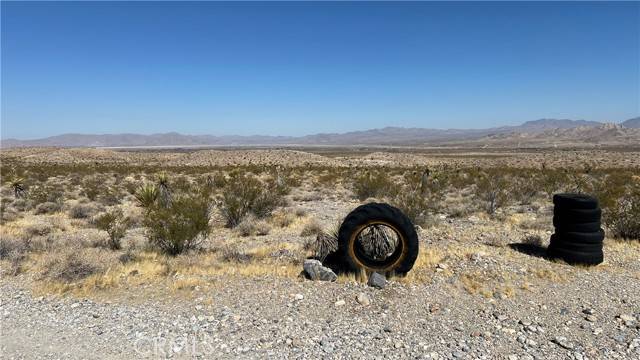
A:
(578, 236)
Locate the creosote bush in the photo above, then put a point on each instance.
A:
(244, 195)
(115, 224)
(372, 184)
(623, 219)
(492, 189)
(181, 225)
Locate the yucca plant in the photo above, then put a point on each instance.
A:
(147, 195)
(164, 191)
(17, 184)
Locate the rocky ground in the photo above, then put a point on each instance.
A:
(481, 299)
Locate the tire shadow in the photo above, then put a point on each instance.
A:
(530, 249)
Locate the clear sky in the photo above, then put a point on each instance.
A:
(301, 68)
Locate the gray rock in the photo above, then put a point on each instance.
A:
(377, 280)
(314, 270)
(562, 342)
(363, 299)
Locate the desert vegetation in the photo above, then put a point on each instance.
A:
(254, 216)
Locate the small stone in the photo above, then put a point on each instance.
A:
(591, 318)
(434, 308)
(397, 345)
(509, 331)
(597, 331)
(314, 270)
(377, 280)
(588, 311)
(628, 320)
(620, 338)
(340, 303)
(75, 305)
(363, 299)
(512, 357)
(562, 342)
(299, 297)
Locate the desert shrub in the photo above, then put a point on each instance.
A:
(37, 229)
(623, 219)
(245, 194)
(491, 188)
(525, 188)
(311, 228)
(91, 187)
(15, 251)
(45, 193)
(9, 246)
(252, 226)
(47, 208)
(413, 204)
(552, 182)
(372, 184)
(115, 224)
(283, 219)
(180, 226)
(216, 180)
(67, 266)
(82, 211)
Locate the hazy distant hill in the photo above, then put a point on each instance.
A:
(538, 132)
(632, 123)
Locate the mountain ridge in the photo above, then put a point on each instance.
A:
(534, 129)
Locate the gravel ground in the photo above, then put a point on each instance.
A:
(595, 315)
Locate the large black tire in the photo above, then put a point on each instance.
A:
(576, 227)
(575, 257)
(559, 243)
(564, 216)
(575, 201)
(581, 238)
(405, 253)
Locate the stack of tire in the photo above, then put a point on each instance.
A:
(578, 236)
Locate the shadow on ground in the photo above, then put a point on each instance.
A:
(530, 249)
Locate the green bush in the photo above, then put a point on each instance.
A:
(180, 226)
(372, 184)
(623, 219)
(491, 188)
(115, 224)
(245, 194)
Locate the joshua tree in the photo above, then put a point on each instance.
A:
(18, 187)
(164, 191)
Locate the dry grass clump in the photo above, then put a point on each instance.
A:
(83, 210)
(235, 254)
(283, 219)
(252, 226)
(71, 265)
(311, 228)
(47, 207)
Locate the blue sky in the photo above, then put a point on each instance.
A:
(301, 68)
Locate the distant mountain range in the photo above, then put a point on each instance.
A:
(543, 132)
